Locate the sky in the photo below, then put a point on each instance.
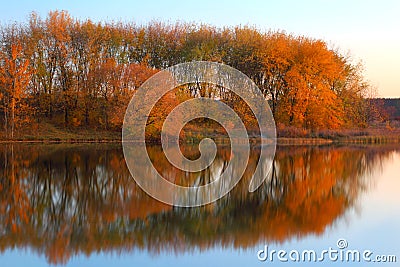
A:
(368, 31)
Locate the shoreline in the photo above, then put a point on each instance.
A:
(282, 141)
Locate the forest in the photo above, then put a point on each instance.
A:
(80, 74)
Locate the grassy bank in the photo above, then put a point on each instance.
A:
(50, 133)
(377, 134)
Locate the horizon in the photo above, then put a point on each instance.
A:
(363, 29)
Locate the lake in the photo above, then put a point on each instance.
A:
(77, 205)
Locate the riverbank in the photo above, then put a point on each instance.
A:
(49, 133)
(280, 140)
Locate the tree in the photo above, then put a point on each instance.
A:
(14, 79)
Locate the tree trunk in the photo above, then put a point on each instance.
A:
(66, 115)
(6, 120)
(12, 122)
(86, 116)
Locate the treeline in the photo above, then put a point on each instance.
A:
(81, 73)
(386, 108)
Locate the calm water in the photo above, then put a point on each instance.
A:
(76, 205)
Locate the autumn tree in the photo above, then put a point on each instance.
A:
(308, 100)
(14, 78)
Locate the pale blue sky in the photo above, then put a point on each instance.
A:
(369, 30)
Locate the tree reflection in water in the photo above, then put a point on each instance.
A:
(67, 200)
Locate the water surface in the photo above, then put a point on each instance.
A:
(76, 205)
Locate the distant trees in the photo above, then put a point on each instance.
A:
(384, 110)
(81, 73)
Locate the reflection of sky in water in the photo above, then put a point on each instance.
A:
(371, 224)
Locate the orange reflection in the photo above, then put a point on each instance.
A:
(66, 200)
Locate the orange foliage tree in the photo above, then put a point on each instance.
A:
(14, 78)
